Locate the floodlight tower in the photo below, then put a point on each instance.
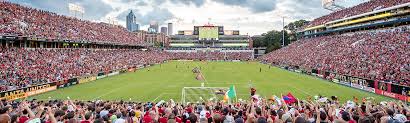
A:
(75, 8)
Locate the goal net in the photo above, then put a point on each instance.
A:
(202, 94)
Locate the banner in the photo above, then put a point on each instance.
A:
(27, 91)
(392, 95)
(113, 73)
(343, 80)
(392, 90)
(355, 82)
(131, 70)
(101, 75)
(62, 83)
(73, 81)
(123, 71)
(43, 90)
(87, 79)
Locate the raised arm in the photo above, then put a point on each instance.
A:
(26, 106)
(50, 113)
(38, 115)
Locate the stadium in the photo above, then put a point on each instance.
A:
(351, 65)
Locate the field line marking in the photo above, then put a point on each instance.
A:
(109, 92)
(160, 95)
(157, 97)
(307, 93)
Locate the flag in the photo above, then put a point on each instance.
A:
(289, 98)
(231, 92)
(278, 100)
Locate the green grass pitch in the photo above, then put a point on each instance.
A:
(165, 81)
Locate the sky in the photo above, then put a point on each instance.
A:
(252, 17)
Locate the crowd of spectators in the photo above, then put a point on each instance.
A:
(16, 19)
(244, 56)
(382, 55)
(249, 111)
(22, 67)
(368, 6)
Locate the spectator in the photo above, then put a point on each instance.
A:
(382, 55)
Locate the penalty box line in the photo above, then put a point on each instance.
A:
(160, 95)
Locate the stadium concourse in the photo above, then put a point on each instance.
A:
(368, 6)
(376, 55)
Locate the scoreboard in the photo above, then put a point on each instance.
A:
(208, 33)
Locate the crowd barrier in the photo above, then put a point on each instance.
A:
(42, 88)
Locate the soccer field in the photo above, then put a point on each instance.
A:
(165, 81)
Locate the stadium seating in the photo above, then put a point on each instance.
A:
(18, 20)
(378, 55)
(368, 6)
(21, 67)
(302, 111)
(213, 55)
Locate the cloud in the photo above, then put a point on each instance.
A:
(159, 15)
(142, 3)
(94, 9)
(256, 6)
(301, 9)
(197, 3)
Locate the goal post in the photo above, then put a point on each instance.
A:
(202, 94)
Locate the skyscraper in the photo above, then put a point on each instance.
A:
(137, 27)
(132, 22)
(154, 27)
(164, 30)
(170, 28)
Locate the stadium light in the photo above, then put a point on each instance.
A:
(74, 8)
(283, 31)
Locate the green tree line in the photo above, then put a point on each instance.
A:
(272, 40)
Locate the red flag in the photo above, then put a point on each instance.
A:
(289, 98)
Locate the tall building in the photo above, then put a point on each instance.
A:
(170, 28)
(164, 30)
(132, 22)
(154, 27)
(137, 27)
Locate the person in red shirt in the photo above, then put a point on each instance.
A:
(163, 119)
(87, 118)
(24, 117)
(147, 118)
(178, 119)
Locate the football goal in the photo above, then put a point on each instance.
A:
(202, 94)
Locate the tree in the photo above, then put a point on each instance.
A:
(293, 28)
(272, 40)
